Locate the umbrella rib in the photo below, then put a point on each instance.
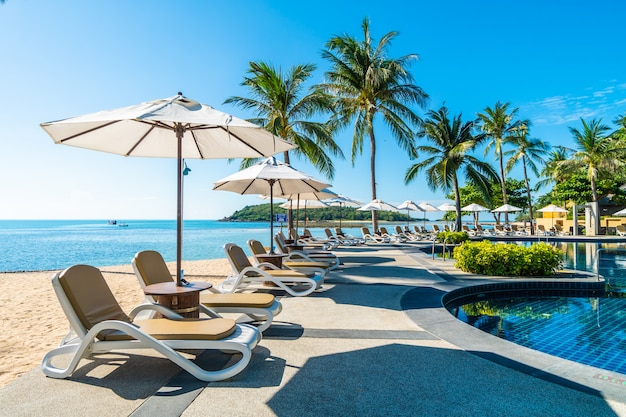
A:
(140, 140)
(231, 134)
(195, 142)
(88, 131)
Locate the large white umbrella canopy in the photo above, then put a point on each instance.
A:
(175, 127)
(505, 208)
(272, 177)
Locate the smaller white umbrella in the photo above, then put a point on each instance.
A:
(304, 204)
(551, 208)
(341, 201)
(426, 207)
(378, 205)
(622, 212)
(446, 207)
(475, 208)
(506, 208)
(409, 205)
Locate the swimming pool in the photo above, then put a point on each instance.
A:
(586, 327)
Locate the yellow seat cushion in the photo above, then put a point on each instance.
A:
(194, 329)
(237, 300)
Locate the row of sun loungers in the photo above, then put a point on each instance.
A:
(98, 324)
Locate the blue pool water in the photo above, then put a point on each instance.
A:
(587, 330)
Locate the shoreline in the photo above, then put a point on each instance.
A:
(33, 321)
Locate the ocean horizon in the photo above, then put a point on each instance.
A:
(47, 245)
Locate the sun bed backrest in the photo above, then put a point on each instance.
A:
(151, 268)
(329, 234)
(237, 257)
(89, 295)
(280, 242)
(256, 247)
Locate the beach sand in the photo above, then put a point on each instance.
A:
(33, 321)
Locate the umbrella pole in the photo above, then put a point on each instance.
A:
(179, 216)
(271, 182)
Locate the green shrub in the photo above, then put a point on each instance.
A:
(452, 237)
(487, 258)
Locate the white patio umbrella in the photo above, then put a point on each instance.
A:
(378, 205)
(475, 208)
(506, 208)
(343, 201)
(305, 196)
(409, 205)
(426, 207)
(305, 204)
(175, 127)
(622, 212)
(446, 207)
(270, 177)
(552, 208)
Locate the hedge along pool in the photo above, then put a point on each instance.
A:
(586, 326)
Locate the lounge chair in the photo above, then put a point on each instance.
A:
(320, 267)
(98, 325)
(150, 268)
(374, 238)
(312, 255)
(341, 239)
(541, 231)
(465, 228)
(312, 242)
(405, 235)
(245, 276)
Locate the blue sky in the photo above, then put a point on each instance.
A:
(555, 61)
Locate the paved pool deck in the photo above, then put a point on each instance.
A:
(375, 341)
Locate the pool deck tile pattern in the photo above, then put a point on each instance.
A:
(375, 341)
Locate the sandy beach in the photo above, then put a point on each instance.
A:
(33, 321)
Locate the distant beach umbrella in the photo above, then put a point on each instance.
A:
(552, 208)
(175, 127)
(426, 207)
(378, 205)
(475, 208)
(270, 176)
(409, 205)
(305, 204)
(447, 207)
(341, 201)
(622, 212)
(506, 208)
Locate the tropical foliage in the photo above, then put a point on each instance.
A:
(498, 259)
(452, 141)
(367, 83)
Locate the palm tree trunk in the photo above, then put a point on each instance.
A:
(373, 170)
(503, 186)
(457, 203)
(530, 202)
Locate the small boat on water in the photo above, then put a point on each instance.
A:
(122, 224)
(112, 222)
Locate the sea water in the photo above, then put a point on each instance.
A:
(36, 245)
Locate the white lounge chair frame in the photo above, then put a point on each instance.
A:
(250, 277)
(263, 315)
(82, 342)
(311, 256)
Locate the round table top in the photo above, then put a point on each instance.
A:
(170, 288)
(271, 255)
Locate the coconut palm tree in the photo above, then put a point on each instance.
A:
(596, 153)
(283, 108)
(530, 152)
(552, 172)
(499, 125)
(452, 141)
(366, 83)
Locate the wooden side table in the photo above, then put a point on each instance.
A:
(183, 300)
(275, 259)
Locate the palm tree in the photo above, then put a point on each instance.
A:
(365, 82)
(452, 141)
(595, 153)
(499, 126)
(282, 107)
(530, 152)
(552, 172)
